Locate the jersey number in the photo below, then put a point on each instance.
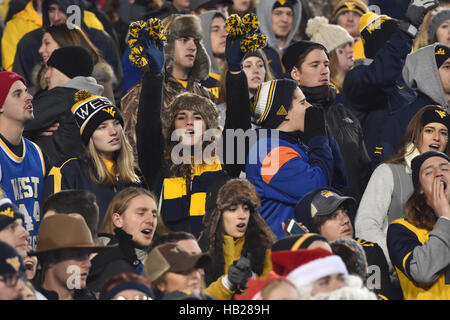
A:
(29, 225)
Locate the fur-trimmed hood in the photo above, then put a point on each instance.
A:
(187, 25)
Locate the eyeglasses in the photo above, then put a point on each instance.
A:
(11, 279)
(138, 297)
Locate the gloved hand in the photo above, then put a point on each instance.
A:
(415, 14)
(233, 53)
(314, 123)
(239, 272)
(154, 53)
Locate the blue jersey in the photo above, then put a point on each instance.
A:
(22, 180)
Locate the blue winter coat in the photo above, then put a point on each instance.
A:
(297, 170)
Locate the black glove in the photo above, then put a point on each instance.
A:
(314, 123)
(415, 14)
(239, 272)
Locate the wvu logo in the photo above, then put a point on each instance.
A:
(111, 111)
(8, 212)
(440, 52)
(375, 25)
(378, 150)
(326, 193)
(14, 262)
(442, 114)
(350, 6)
(282, 2)
(282, 111)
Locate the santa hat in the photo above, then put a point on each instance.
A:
(303, 266)
(255, 286)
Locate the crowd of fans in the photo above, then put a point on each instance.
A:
(224, 150)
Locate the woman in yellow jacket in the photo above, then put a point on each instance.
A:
(238, 240)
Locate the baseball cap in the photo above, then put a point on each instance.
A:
(326, 201)
(171, 257)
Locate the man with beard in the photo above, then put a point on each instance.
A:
(319, 275)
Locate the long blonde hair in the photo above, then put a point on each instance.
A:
(123, 166)
(119, 204)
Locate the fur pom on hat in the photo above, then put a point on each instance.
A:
(103, 72)
(187, 25)
(191, 101)
(330, 35)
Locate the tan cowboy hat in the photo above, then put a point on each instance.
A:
(65, 231)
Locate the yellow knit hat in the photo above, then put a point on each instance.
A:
(359, 6)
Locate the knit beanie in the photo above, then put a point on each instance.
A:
(7, 79)
(191, 101)
(127, 285)
(272, 101)
(358, 6)
(376, 30)
(296, 242)
(73, 61)
(90, 111)
(10, 260)
(257, 53)
(438, 18)
(8, 213)
(284, 4)
(436, 114)
(295, 50)
(417, 162)
(353, 255)
(331, 36)
(441, 54)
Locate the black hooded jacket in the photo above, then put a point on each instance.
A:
(346, 130)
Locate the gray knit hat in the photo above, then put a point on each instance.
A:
(353, 255)
(439, 17)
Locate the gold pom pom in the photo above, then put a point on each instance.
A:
(260, 40)
(234, 26)
(250, 22)
(137, 58)
(82, 95)
(135, 28)
(156, 31)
